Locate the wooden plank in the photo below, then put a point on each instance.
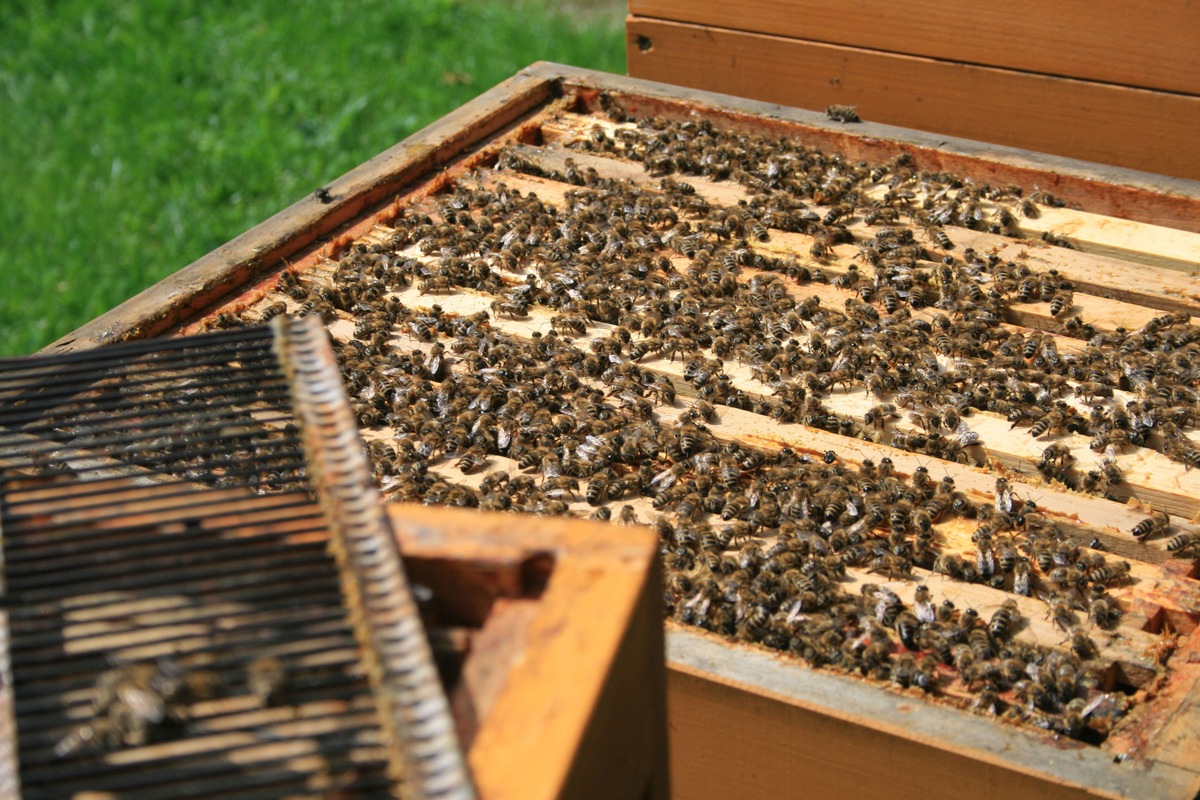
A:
(1098, 188)
(1147, 244)
(1135, 263)
(1097, 122)
(1168, 289)
(1166, 730)
(596, 640)
(741, 720)
(1122, 45)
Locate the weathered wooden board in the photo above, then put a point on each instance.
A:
(1136, 128)
(821, 734)
(1122, 45)
(595, 634)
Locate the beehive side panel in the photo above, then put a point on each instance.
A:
(1124, 45)
(731, 743)
(530, 744)
(1134, 128)
(624, 751)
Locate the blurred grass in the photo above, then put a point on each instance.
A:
(139, 136)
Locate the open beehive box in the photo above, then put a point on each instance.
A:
(913, 417)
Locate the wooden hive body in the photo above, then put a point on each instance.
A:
(1117, 87)
(1136, 247)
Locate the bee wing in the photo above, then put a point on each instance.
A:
(503, 437)
(144, 703)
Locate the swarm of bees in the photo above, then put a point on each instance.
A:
(757, 544)
(134, 704)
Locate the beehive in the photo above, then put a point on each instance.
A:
(840, 368)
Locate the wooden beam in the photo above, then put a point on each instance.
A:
(1123, 45)
(595, 639)
(1136, 128)
(1133, 262)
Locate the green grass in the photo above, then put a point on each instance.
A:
(138, 136)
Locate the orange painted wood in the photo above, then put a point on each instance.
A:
(1136, 128)
(1115, 41)
(744, 724)
(560, 725)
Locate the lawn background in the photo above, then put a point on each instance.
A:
(138, 136)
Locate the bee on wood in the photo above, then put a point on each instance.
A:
(879, 414)
(1108, 573)
(1183, 542)
(1157, 524)
(1058, 609)
(1004, 496)
(1021, 577)
(1053, 421)
(266, 680)
(1057, 240)
(939, 236)
(1061, 301)
(1102, 609)
(273, 310)
(843, 114)
(1002, 620)
(1082, 644)
(1180, 449)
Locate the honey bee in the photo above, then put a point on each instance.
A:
(842, 114)
(1053, 421)
(1054, 459)
(1183, 542)
(1058, 609)
(1182, 451)
(1110, 572)
(1082, 644)
(943, 241)
(1057, 240)
(878, 414)
(266, 679)
(133, 703)
(1002, 620)
(1157, 524)
(1003, 496)
(923, 605)
(1102, 610)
